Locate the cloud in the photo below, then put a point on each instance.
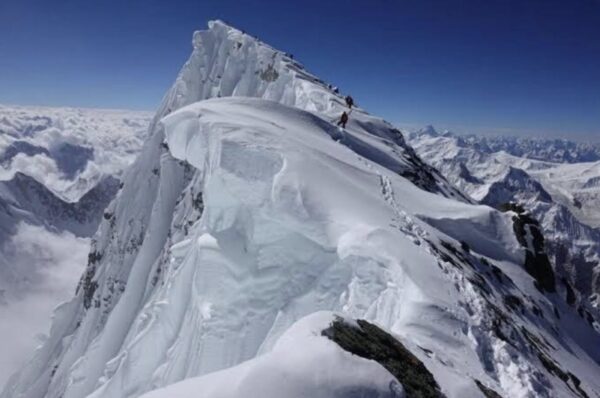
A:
(41, 270)
(115, 137)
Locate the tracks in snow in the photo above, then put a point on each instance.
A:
(400, 220)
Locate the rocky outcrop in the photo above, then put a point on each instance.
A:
(371, 342)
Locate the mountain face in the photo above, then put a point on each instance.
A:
(25, 199)
(256, 249)
(26, 202)
(563, 197)
(59, 169)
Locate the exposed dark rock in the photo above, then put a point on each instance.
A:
(466, 175)
(500, 325)
(517, 208)
(481, 283)
(571, 299)
(460, 256)
(541, 347)
(198, 202)
(445, 257)
(500, 275)
(487, 392)
(426, 177)
(513, 302)
(536, 343)
(537, 264)
(553, 367)
(537, 311)
(589, 317)
(577, 385)
(89, 287)
(269, 74)
(465, 246)
(370, 342)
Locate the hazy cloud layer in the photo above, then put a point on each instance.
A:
(80, 145)
(42, 269)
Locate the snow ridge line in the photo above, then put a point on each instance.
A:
(497, 355)
(401, 220)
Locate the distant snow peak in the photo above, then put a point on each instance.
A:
(429, 130)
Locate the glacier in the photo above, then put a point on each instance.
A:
(248, 213)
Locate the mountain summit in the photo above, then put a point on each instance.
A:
(256, 249)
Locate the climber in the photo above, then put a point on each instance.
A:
(349, 101)
(343, 120)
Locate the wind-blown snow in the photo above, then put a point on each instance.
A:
(302, 363)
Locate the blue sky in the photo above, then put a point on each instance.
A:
(520, 67)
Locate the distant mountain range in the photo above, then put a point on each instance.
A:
(564, 196)
(550, 150)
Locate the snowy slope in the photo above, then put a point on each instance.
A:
(564, 197)
(303, 363)
(59, 169)
(243, 216)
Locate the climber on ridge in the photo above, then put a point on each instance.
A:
(349, 101)
(343, 120)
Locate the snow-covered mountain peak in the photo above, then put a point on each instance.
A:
(228, 62)
(243, 215)
(428, 130)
